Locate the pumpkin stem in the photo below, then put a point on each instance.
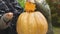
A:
(30, 7)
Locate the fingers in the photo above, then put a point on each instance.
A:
(9, 15)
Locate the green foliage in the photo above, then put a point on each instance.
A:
(55, 11)
(56, 30)
(22, 3)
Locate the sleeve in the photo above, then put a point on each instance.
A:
(3, 6)
(1, 13)
(3, 24)
(17, 11)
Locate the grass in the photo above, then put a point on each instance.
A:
(56, 30)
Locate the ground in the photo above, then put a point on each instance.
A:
(56, 30)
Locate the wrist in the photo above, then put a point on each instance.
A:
(6, 20)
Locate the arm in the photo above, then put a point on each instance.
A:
(5, 19)
(17, 10)
(3, 15)
(3, 24)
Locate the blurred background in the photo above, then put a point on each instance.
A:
(55, 14)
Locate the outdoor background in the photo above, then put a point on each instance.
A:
(55, 14)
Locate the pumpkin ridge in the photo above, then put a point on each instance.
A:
(29, 28)
(41, 25)
(37, 23)
(21, 23)
(32, 26)
(43, 17)
(28, 22)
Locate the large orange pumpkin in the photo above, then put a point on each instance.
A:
(31, 22)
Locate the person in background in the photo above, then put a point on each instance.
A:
(9, 12)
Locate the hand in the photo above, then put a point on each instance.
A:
(9, 15)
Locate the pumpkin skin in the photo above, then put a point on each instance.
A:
(32, 23)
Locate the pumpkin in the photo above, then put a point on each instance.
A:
(31, 22)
